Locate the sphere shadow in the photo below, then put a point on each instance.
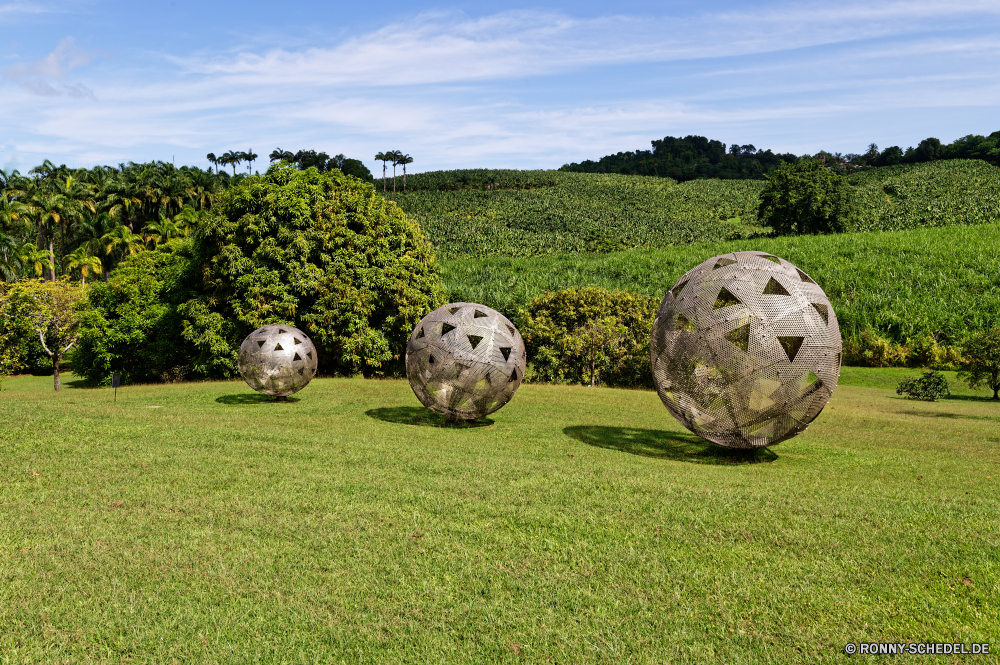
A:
(254, 398)
(666, 445)
(423, 417)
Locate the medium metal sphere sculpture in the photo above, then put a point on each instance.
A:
(277, 360)
(746, 350)
(465, 361)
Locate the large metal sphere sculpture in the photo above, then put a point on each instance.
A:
(277, 360)
(745, 350)
(465, 361)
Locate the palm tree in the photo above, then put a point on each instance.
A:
(39, 258)
(383, 157)
(395, 156)
(404, 160)
(249, 157)
(230, 157)
(279, 155)
(215, 160)
(121, 239)
(157, 232)
(10, 258)
(187, 220)
(80, 260)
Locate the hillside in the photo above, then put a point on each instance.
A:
(480, 213)
(937, 282)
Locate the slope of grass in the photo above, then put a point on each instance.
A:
(577, 526)
(940, 282)
(529, 213)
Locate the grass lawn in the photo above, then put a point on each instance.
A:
(578, 525)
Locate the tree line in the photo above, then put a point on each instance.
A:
(696, 157)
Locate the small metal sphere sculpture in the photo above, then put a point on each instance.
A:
(465, 361)
(746, 350)
(277, 360)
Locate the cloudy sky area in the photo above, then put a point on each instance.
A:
(470, 85)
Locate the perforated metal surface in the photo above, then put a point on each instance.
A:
(745, 350)
(465, 361)
(277, 360)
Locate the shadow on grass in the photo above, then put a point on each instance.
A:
(973, 398)
(418, 415)
(254, 398)
(665, 445)
(951, 416)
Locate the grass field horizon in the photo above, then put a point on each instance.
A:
(575, 525)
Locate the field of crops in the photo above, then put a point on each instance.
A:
(938, 282)
(480, 213)
(582, 213)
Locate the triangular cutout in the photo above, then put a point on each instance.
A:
(513, 375)
(454, 309)
(774, 288)
(811, 379)
(309, 355)
(722, 263)
(260, 343)
(505, 350)
(804, 277)
(511, 329)
(446, 328)
(791, 345)
(823, 311)
(679, 287)
(281, 331)
(682, 322)
(459, 368)
(772, 259)
(297, 357)
(430, 360)
(297, 340)
(474, 340)
(725, 298)
(278, 347)
(302, 371)
(740, 337)
(479, 315)
(420, 333)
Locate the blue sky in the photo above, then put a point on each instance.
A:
(532, 85)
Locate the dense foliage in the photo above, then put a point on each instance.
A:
(320, 251)
(981, 360)
(902, 298)
(589, 335)
(806, 198)
(694, 157)
(689, 158)
(929, 387)
(549, 212)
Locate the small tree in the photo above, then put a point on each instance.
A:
(981, 364)
(806, 198)
(50, 309)
(930, 387)
(600, 342)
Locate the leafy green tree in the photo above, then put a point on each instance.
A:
(981, 363)
(121, 242)
(39, 259)
(806, 198)
(51, 310)
(320, 251)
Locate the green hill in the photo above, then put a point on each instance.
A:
(480, 213)
(904, 285)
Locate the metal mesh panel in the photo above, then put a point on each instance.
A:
(745, 350)
(465, 361)
(277, 360)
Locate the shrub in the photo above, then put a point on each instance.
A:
(590, 334)
(806, 198)
(320, 251)
(930, 386)
(981, 364)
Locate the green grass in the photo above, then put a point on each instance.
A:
(531, 213)
(938, 281)
(577, 526)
